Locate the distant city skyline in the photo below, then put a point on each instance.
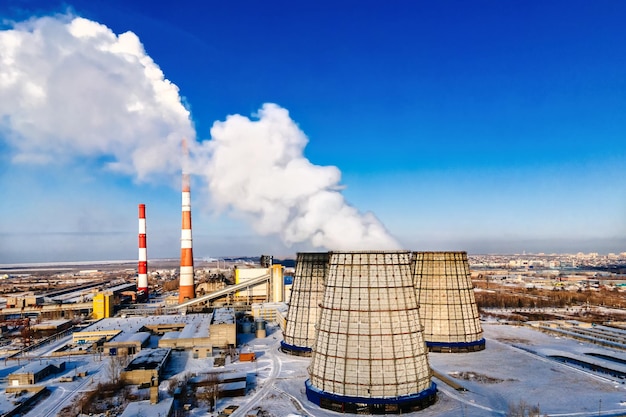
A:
(490, 128)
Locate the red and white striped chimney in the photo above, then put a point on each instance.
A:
(142, 269)
(186, 287)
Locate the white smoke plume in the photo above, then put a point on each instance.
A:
(72, 89)
(257, 168)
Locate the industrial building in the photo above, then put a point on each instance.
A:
(104, 302)
(222, 331)
(147, 367)
(447, 302)
(35, 372)
(131, 334)
(103, 305)
(369, 355)
(272, 290)
(306, 295)
(126, 343)
(164, 408)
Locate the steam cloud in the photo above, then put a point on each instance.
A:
(70, 88)
(258, 169)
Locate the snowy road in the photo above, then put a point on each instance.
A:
(61, 396)
(268, 384)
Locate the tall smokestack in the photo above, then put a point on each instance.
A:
(186, 287)
(142, 268)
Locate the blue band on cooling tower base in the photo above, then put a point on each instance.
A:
(399, 404)
(456, 345)
(295, 348)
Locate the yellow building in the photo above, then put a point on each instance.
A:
(257, 292)
(102, 305)
(273, 290)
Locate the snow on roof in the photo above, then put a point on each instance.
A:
(130, 324)
(223, 316)
(145, 408)
(121, 287)
(232, 386)
(196, 327)
(199, 324)
(141, 337)
(36, 366)
(170, 335)
(50, 323)
(220, 377)
(276, 306)
(148, 359)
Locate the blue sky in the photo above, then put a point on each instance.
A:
(490, 127)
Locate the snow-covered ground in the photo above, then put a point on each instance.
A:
(504, 374)
(515, 367)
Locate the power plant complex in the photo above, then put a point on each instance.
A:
(365, 320)
(363, 332)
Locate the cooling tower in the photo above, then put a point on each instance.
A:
(369, 355)
(447, 303)
(306, 295)
(186, 290)
(142, 267)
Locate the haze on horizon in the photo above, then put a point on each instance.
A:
(491, 128)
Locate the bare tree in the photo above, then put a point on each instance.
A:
(116, 365)
(211, 390)
(522, 409)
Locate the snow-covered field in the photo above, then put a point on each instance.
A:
(505, 374)
(515, 367)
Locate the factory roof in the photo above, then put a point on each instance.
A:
(223, 316)
(145, 408)
(135, 324)
(141, 337)
(197, 326)
(149, 359)
(170, 336)
(37, 366)
(221, 377)
(233, 386)
(133, 328)
(50, 324)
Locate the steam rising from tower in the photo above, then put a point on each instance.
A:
(255, 169)
(142, 268)
(186, 287)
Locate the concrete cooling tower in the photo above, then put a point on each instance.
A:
(447, 302)
(369, 355)
(306, 295)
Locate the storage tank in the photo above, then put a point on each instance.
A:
(447, 302)
(369, 355)
(246, 327)
(260, 329)
(306, 295)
